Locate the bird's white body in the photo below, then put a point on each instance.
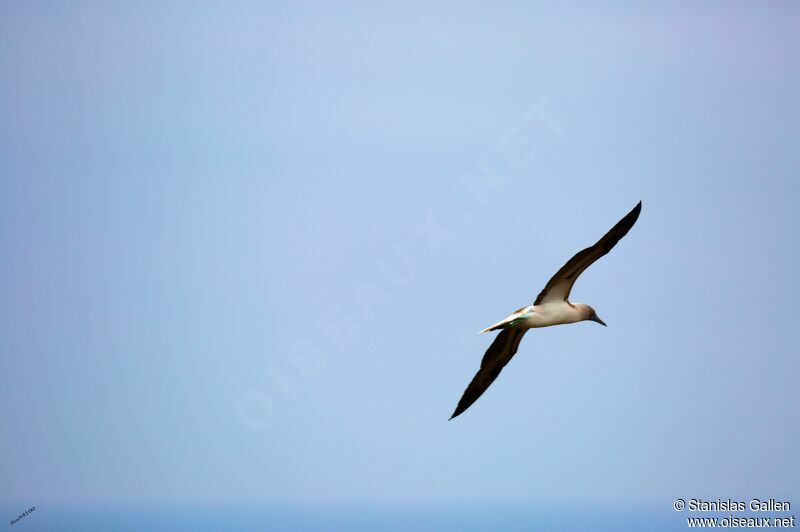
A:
(554, 314)
(544, 315)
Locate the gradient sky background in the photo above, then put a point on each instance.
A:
(220, 284)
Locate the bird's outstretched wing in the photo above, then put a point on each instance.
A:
(559, 286)
(497, 356)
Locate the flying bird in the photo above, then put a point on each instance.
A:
(550, 308)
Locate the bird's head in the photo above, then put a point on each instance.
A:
(590, 315)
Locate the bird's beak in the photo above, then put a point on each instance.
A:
(598, 320)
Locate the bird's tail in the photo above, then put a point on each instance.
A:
(510, 321)
(498, 325)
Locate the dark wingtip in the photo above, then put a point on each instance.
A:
(455, 414)
(633, 215)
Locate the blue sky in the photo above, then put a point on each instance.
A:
(246, 249)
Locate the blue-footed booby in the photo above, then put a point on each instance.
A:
(550, 308)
